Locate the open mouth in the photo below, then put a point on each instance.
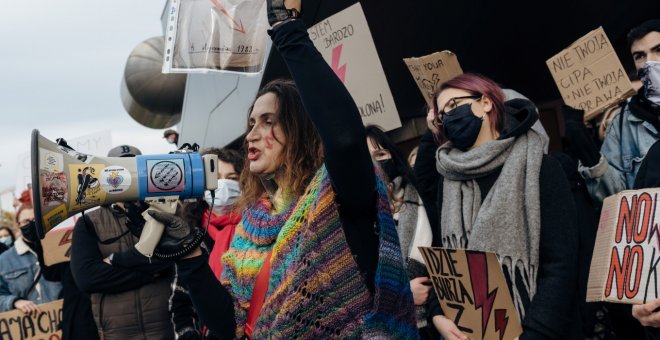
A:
(253, 153)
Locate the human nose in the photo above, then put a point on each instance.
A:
(252, 135)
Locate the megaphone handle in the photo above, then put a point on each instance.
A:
(151, 234)
(153, 230)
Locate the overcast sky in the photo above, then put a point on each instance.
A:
(61, 64)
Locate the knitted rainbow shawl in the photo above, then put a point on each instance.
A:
(316, 290)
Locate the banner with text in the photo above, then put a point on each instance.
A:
(15, 324)
(624, 266)
(346, 44)
(473, 292)
(589, 75)
(432, 70)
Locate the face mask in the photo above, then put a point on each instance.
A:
(649, 74)
(226, 194)
(6, 240)
(388, 167)
(29, 232)
(462, 127)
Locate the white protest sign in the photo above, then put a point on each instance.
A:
(346, 44)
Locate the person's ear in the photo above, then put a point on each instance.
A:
(487, 104)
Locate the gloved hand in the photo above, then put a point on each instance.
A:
(280, 10)
(577, 135)
(177, 233)
(134, 220)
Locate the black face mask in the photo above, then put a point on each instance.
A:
(29, 232)
(388, 167)
(462, 127)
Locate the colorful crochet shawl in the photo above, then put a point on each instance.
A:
(316, 290)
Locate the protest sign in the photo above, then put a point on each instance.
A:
(57, 243)
(15, 324)
(432, 70)
(624, 266)
(473, 292)
(345, 43)
(589, 75)
(215, 35)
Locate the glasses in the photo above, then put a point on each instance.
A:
(456, 102)
(25, 221)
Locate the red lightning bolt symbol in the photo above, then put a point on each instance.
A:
(501, 320)
(336, 55)
(237, 26)
(479, 277)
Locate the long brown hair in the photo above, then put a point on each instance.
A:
(303, 152)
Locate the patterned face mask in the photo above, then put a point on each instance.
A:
(649, 74)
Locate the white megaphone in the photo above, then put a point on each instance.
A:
(66, 182)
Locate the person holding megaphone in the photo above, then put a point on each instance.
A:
(127, 303)
(316, 254)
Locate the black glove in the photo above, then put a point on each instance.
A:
(277, 12)
(578, 137)
(177, 233)
(134, 219)
(29, 232)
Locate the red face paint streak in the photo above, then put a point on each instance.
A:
(269, 140)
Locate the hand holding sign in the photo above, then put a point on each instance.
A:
(647, 314)
(27, 307)
(280, 10)
(448, 329)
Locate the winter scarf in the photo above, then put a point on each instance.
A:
(316, 290)
(414, 230)
(508, 221)
(221, 230)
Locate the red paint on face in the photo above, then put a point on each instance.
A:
(269, 140)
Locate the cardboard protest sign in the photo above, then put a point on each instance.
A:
(589, 74)
(16, 325)
(215, 35)
(346, 44)
(432, 70)
(57, 243)
(624, 266)
(473, 292)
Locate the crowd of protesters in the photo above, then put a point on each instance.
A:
(314, 229)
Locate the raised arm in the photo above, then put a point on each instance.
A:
(334, 114)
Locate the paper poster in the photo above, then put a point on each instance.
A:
(45, 325)
(473, 292)
(624, 266)
(432, 70)
(346, 44)
(215, 35)
(589, 74)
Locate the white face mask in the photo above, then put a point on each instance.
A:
(226, 195)
(6, 240)
(649, 74)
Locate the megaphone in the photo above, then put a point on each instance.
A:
(66, 182)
